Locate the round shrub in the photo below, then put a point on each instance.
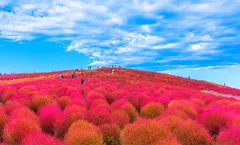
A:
(63, 101)
(112, 96)
(64, 120)
(23, 112)
(38, 138)
(118, 104)
(8, 93)
(171, 122)
(164, 100)
(100, 103)
(192, 133)
(99, 116)
(39, 101)
(11, 106)
(3, 120)
(152, 110)
(230, 136)
(131, 111)
(168, 141)
(185, 106)
(175, 112)
(83, 137)
(198, 102)
(144, 132)
(214, 119)
(111, 134)
(47, 116)
(84, 133)
(17, 129)
(77, 101)
(121, 117)
(82, 124)
(235, 122)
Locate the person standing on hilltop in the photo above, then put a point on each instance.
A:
(61, 76)
(74, 75)
(82, 81)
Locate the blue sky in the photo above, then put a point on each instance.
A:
(193, 37)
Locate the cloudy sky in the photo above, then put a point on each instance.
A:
(192, 37)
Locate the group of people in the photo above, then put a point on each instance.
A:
(73, 76)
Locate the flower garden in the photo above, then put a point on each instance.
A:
(128, 107)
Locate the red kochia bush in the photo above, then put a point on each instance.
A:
(131, 111)
(144, 132)
(230, 136)
(121, 117)
(64, 120)
(3, 120)
(188, 132)
(38, 138)
(119, 103)
(48, 115)
(40, 100)
(16, 129)
(111, 134)
(63, 101)
(100, 103)
(168, 141)
(11, 106)
(214, 119)
(185, 106)
(171, 122)
(93, 96)
(192, 133)
(152, 110)
(175, 112)
(23, 112)
(164, 100)
(112, 96)
(99, 116)
(8, 93)
(83, 133)
(198, 102)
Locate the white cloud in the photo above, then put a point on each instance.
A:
(167, 46)
(182, 58)
(4, 2)
(203, 48)
(145, 28)
(192, 37)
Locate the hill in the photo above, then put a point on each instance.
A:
(125, 107)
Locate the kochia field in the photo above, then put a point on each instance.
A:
(127, 107)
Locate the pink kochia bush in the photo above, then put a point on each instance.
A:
(214, 119)
(38, 138)
(83, 133)
(16, 129)
(47, 116)
(144, 132)
(230, 136)
(99, 116)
